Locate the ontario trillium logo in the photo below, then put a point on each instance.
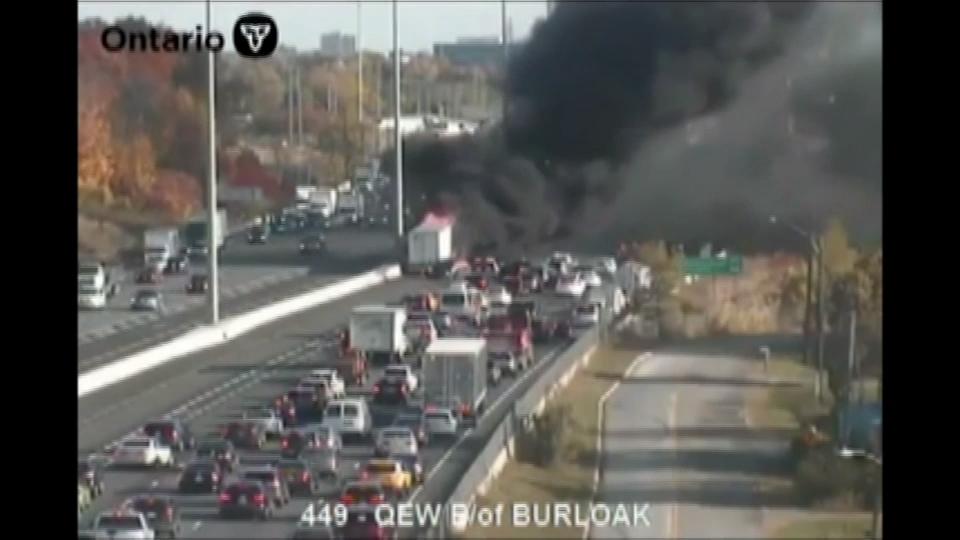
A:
(255, 35)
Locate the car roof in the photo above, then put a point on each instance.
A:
(260, 469)
(138, 439)
(382, 461)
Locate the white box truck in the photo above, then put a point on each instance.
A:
(454, 375)
(350, 206)
(324, 201)
(429, 247)
(378, 332)
(159, 246)
(195, 233)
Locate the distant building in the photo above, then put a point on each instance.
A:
(338, 45)
(415, 124)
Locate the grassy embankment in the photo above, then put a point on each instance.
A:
(569, 478)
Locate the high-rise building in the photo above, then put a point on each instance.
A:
(338, 45)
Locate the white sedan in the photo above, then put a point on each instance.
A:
(143, 451)
(592, 278)
(500, 295)
(571, 285)
(396, 440)
(440, 421)
(267, 418)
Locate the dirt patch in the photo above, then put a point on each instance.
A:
(827, 528)
(569, 477)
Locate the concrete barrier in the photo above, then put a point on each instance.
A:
(210, 336)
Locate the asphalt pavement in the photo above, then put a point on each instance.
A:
(251, 276)
(678, 437)
(211, 387)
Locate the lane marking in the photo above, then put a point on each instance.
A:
(197, 525)
(673, 520)
(601, 419)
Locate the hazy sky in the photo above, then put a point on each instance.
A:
(302, 22)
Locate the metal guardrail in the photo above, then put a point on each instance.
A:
(512, 423)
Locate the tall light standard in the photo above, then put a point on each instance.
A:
(504, 40)
(360, 76)
(815, 253)
(397, 138)
(213, 293)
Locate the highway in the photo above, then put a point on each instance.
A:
(251, 276)
(678, 437)
(210, 387)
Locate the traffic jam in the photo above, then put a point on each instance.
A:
(397, 379)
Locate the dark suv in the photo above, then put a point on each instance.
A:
(221, 451)
(202, 476)
(172, 433)
(247, 499)
(270, 477)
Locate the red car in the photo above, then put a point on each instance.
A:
(362, 524)
(245, 435)
(478, 281)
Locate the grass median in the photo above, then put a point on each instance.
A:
(568, 477)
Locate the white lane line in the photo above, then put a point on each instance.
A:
(601, 420)
(197, 525)
(154, 484)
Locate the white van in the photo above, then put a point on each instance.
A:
(91, 297)
(349, 417)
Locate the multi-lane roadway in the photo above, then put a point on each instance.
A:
(251, 276)
(678, 437)
(210, 387)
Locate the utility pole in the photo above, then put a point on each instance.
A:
(504, 40)
(821, 315)
(397, 137)
(290, 106)
(360, 76)
(213, 293)
(808, 306)
(299, 109)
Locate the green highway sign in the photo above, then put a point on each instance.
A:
(713, 266)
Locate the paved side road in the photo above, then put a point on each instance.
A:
(677, 437)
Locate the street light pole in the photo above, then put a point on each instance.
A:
(504, 40)
(360, 76)
(213, 225)
(397, 138)
(815, 253)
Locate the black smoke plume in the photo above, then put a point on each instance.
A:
(667, 120)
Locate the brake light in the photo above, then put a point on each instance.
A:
(169, 513)
(364, 475)
(305, 477)
(376, 499)
(259, 498)
(376, 389)
(214, 476)
(284, 443)
(225, 497)
(347, 499)
(465, 409)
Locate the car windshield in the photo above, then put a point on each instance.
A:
(438, 416)
(119, 523)
(333, 411)
(200, 468)
(89, 290)
(140, 443)
(147, 295)
(362, 492)
(243, 489)
(399, 372)
(586, 310)
(263, 476)
(288, 466)
(380, 468)
(396, 434)
(212, 447)
(453, 299)
(499, 355)
(155, 429)
(351, 410)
